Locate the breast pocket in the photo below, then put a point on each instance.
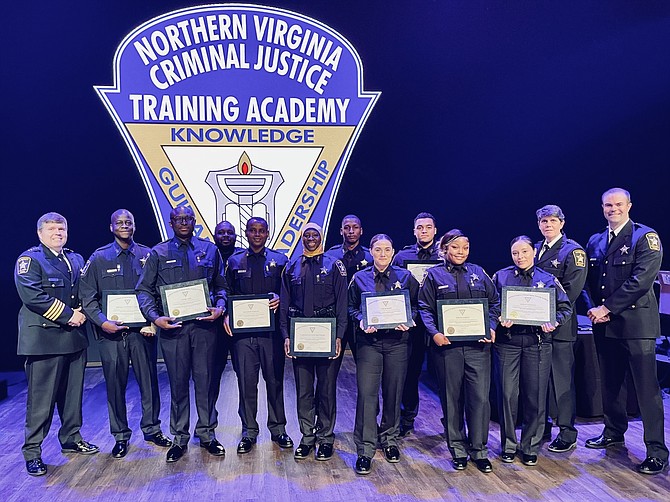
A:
(478, 290)
(446, 292)
(170, 270)
(622, 266)
(112, 279)
(205, 268)
(52, 283)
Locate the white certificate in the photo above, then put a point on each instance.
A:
(251, 313)
(464, 319)
(312, 337)
(186, 300)
(386, 310)
(419, 269)
(123, 306)
(529, 306)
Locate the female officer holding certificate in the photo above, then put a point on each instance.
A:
(462, 361)
(314, 285)
(381, 353)
(523, 350)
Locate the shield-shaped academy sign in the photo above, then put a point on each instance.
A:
(239, 111)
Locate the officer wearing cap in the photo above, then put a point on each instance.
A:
(566, 260)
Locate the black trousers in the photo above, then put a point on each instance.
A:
(382, 360)
(464, 380)
(410, 394)
(115, 356)
(223, 349)
(53, 380)
(250, 356)
(189, 353)
(617, 356)
(320, 400)
(561, 396)
(524, 367)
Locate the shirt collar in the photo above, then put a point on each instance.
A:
(551, 244)
(118, 249)
(618, 230)
(179, 242)
(524, 273)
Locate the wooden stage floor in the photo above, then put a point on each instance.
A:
(269, 473)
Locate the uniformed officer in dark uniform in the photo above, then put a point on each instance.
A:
(257, 271)
(117, 267)
(624, 261)
(523, 356)
(225, 238)
(189, 346)
(463, 367)
(425, 249)
(382, 357)
(315, 285)
(355, 257)
(566, 260)
(51, 338)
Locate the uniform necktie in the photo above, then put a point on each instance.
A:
(542, 251)
(612, 236)
(424, 254)
(64, 266)
(462, 290)
(380, 283)
(308, 287)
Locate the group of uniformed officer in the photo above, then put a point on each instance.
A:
(532, 364)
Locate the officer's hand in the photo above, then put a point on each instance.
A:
(401, 327)
(338, 348)
(370, 329)
(548, 327)
(214, 314)
(440, 339)
(599, 314)
(287, 348)
(505, 324)
(489, 340)
(274, 302)
(77, 318)
(113, 327)
(166, 322)
(226, 326)
(148, 330)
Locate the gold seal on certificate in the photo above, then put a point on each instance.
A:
(122, 305)
(186, 300)
(312, 337)
(528, 306)
(250, 313)
(419, 268)
(386, 310)
(465, 319)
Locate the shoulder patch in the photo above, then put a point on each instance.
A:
(340, 267)
(23, 265)
(580, 258)
(653, 241)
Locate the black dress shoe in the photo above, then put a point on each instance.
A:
(175, 453)
(82, 447)
(159, 439)
(120, 449)
(459, 463)
(392, 454)
(560, 446)
(325, 451)
(303, 451)
(508, 458)
(36, 467)
(245, 445)
(213, 447)
(529, 459)
(283, 440)
(603, 441)
(405, 430)
(363, 465)
(651, 465)
(483, 464)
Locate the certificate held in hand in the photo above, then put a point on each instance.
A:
(122, 305)
(250, 313)
(186, 300)
(386, 310)
(528, 306)
(312, 337)
(465, 319)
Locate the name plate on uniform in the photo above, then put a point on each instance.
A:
(122, 305)
(528, 306)
(312, 337)
(186, 300)
(419, 268)
(249, 313)
(464, 320)
(386, 310)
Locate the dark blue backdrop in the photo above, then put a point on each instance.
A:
(488, 111)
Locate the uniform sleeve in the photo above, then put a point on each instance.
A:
(413, 286)
(493, 299)
(146, 288)
(28, 280)
(218, 282)
(398, 261)
(641, 278)
(563, 305)
(428, 305)
(284, 302)
(341, 299)
(354, 295)
(574, 274)
(89, 294)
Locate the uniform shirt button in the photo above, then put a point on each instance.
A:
(72, 296)
(602, 301)
(602, 287)
(44, 325)
(53, 285)
(623, 262)
(606, 262)
(604, 275)
(632, 306)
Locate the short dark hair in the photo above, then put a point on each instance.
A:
(351, 217)
(380, 237)
(425, 215)
(451, 235)
(255, 219)
(548, 211)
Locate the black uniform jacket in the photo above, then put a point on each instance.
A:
(354, 260)
(49, 295)
(621, 277)
(330, 292)
(364, 281)
(104, 271)
(440, 284)
(535, 278)
(565, 260)
(166, 265)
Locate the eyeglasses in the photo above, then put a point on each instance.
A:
(184, 220)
